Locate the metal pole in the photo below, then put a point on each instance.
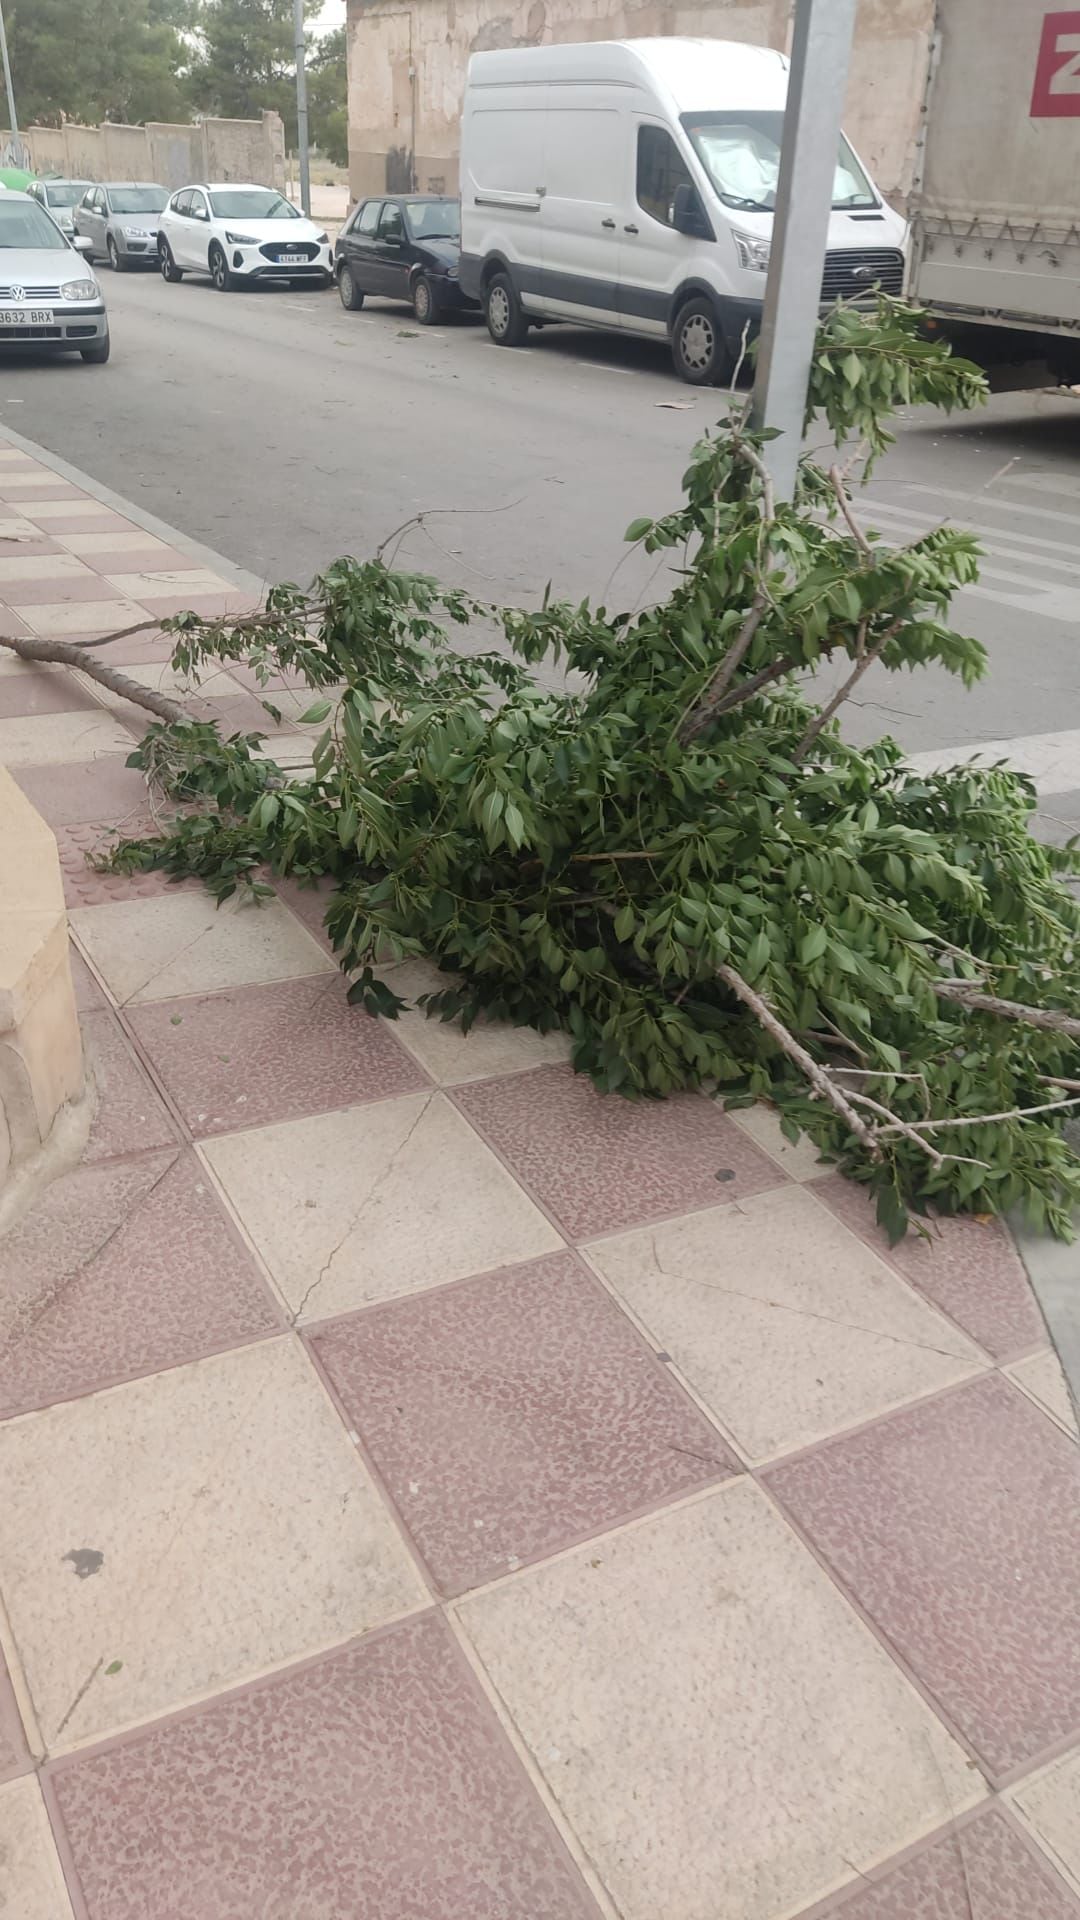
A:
(16, 143)
(301, 108)
(820, 51)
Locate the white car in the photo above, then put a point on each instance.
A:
(240, 234)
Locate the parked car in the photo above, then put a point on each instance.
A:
(631, 184)
(405, 246)
(120, 219)
(60, 198)
(49, 297)
(239, 235)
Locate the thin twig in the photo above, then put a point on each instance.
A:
(817, 1075)
(875, 1106)
(968, 995)
(868, 658)
(836, 479)
(67, 653)
(428, 513)
(984, 1119)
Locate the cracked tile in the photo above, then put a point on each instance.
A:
(675, 1682)
(371, 1202)
(269, 1053)
(956, 1525)
(119, 1270)
(182, 943)
(599, 1163)
(783, 1322)
(969, 1268)
(129, 1114)
(512, 1414)
(31, 1880)
(237, 1531)
(375, 1782)
(982, 1872)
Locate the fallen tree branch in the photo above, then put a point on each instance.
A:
(979, 1119)
(702, 711)
(967, 995)
(917, 1139)
(67, 653)
(817, 1075)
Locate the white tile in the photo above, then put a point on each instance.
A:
(723, 1735)
(165, 583)
(63, 617)
(79, 505)
(181, 1533)
(1050, 1805)
(31, 1880)
(43, 739)
(42, 566)
(182, 943)
(785, 1324)
(799, 1160)
(1041, 1378)
(450, 1056)
(375, 1201)
(124, 540)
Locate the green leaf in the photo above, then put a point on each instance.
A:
(314, 714)
(813, 945)
(637, 530)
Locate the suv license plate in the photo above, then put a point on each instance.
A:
(26, 317)
(292, 260)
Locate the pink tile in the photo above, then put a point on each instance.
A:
(10, 622)
(103, 522)
(41, 690)
(61, 587)
(969, 1268)
(263, 1053)
(86, 886)
(308, 903)
(372, 1785)
(121, 1270)
(23, 490)
(956, 1524)
(13, 1755)
(212, 605)
(129, 559)
(130, 1114)
(599, 1163)
(985, 1871)
(512, 1414)
(142, 649)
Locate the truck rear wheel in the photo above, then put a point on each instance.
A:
(697, 344)
(507, 324)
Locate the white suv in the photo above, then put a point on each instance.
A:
(238, 234)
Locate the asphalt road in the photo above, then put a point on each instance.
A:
(283, 431)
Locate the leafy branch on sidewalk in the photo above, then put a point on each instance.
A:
(683, 863)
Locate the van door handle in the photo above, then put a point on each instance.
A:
(607, 223)
(629, 229)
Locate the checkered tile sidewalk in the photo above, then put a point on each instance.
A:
(431, 1491)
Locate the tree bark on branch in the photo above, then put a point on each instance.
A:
(68, 653)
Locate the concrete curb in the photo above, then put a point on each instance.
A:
(1054, 1271)
(206, 556)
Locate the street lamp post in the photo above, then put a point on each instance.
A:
(820, 52)
(301, 108)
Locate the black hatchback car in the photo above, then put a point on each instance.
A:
(404, 246)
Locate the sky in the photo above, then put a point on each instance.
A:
(331, 15)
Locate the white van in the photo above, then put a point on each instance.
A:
(631, 183)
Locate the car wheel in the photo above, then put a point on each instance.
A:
(697, 344)
(115, 262)
(351, 296)
(169, 269)
(98, 353)
(224, 280)
(507, 324)
(424, 305)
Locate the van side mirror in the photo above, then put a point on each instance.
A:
(688, 214)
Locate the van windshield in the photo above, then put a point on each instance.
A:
(740, 152)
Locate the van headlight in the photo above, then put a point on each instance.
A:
(753, 252)
(80, 290)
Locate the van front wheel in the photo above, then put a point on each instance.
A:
(507, 324)
(697, 344)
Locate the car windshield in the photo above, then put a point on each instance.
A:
(22, 224)
(252, 204)
(137, 199)
(740, 152)
(65, 193)
(433, 220)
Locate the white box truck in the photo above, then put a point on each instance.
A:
(630, 184)
(995, 232)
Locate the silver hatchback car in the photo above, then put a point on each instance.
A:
(49, 296)
(120, 219)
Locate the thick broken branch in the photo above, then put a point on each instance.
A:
(67, 653)
(817, 1075)
(968, 995)
(703, 710)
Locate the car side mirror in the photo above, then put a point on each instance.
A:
(82, 243)
(688, 214)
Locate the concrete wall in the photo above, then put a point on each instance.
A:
(407, 71)
(173, 155)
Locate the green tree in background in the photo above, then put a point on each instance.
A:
(97, 60)
(246, 60)
(327, 90)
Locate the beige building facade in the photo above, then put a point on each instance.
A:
(407, 66)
